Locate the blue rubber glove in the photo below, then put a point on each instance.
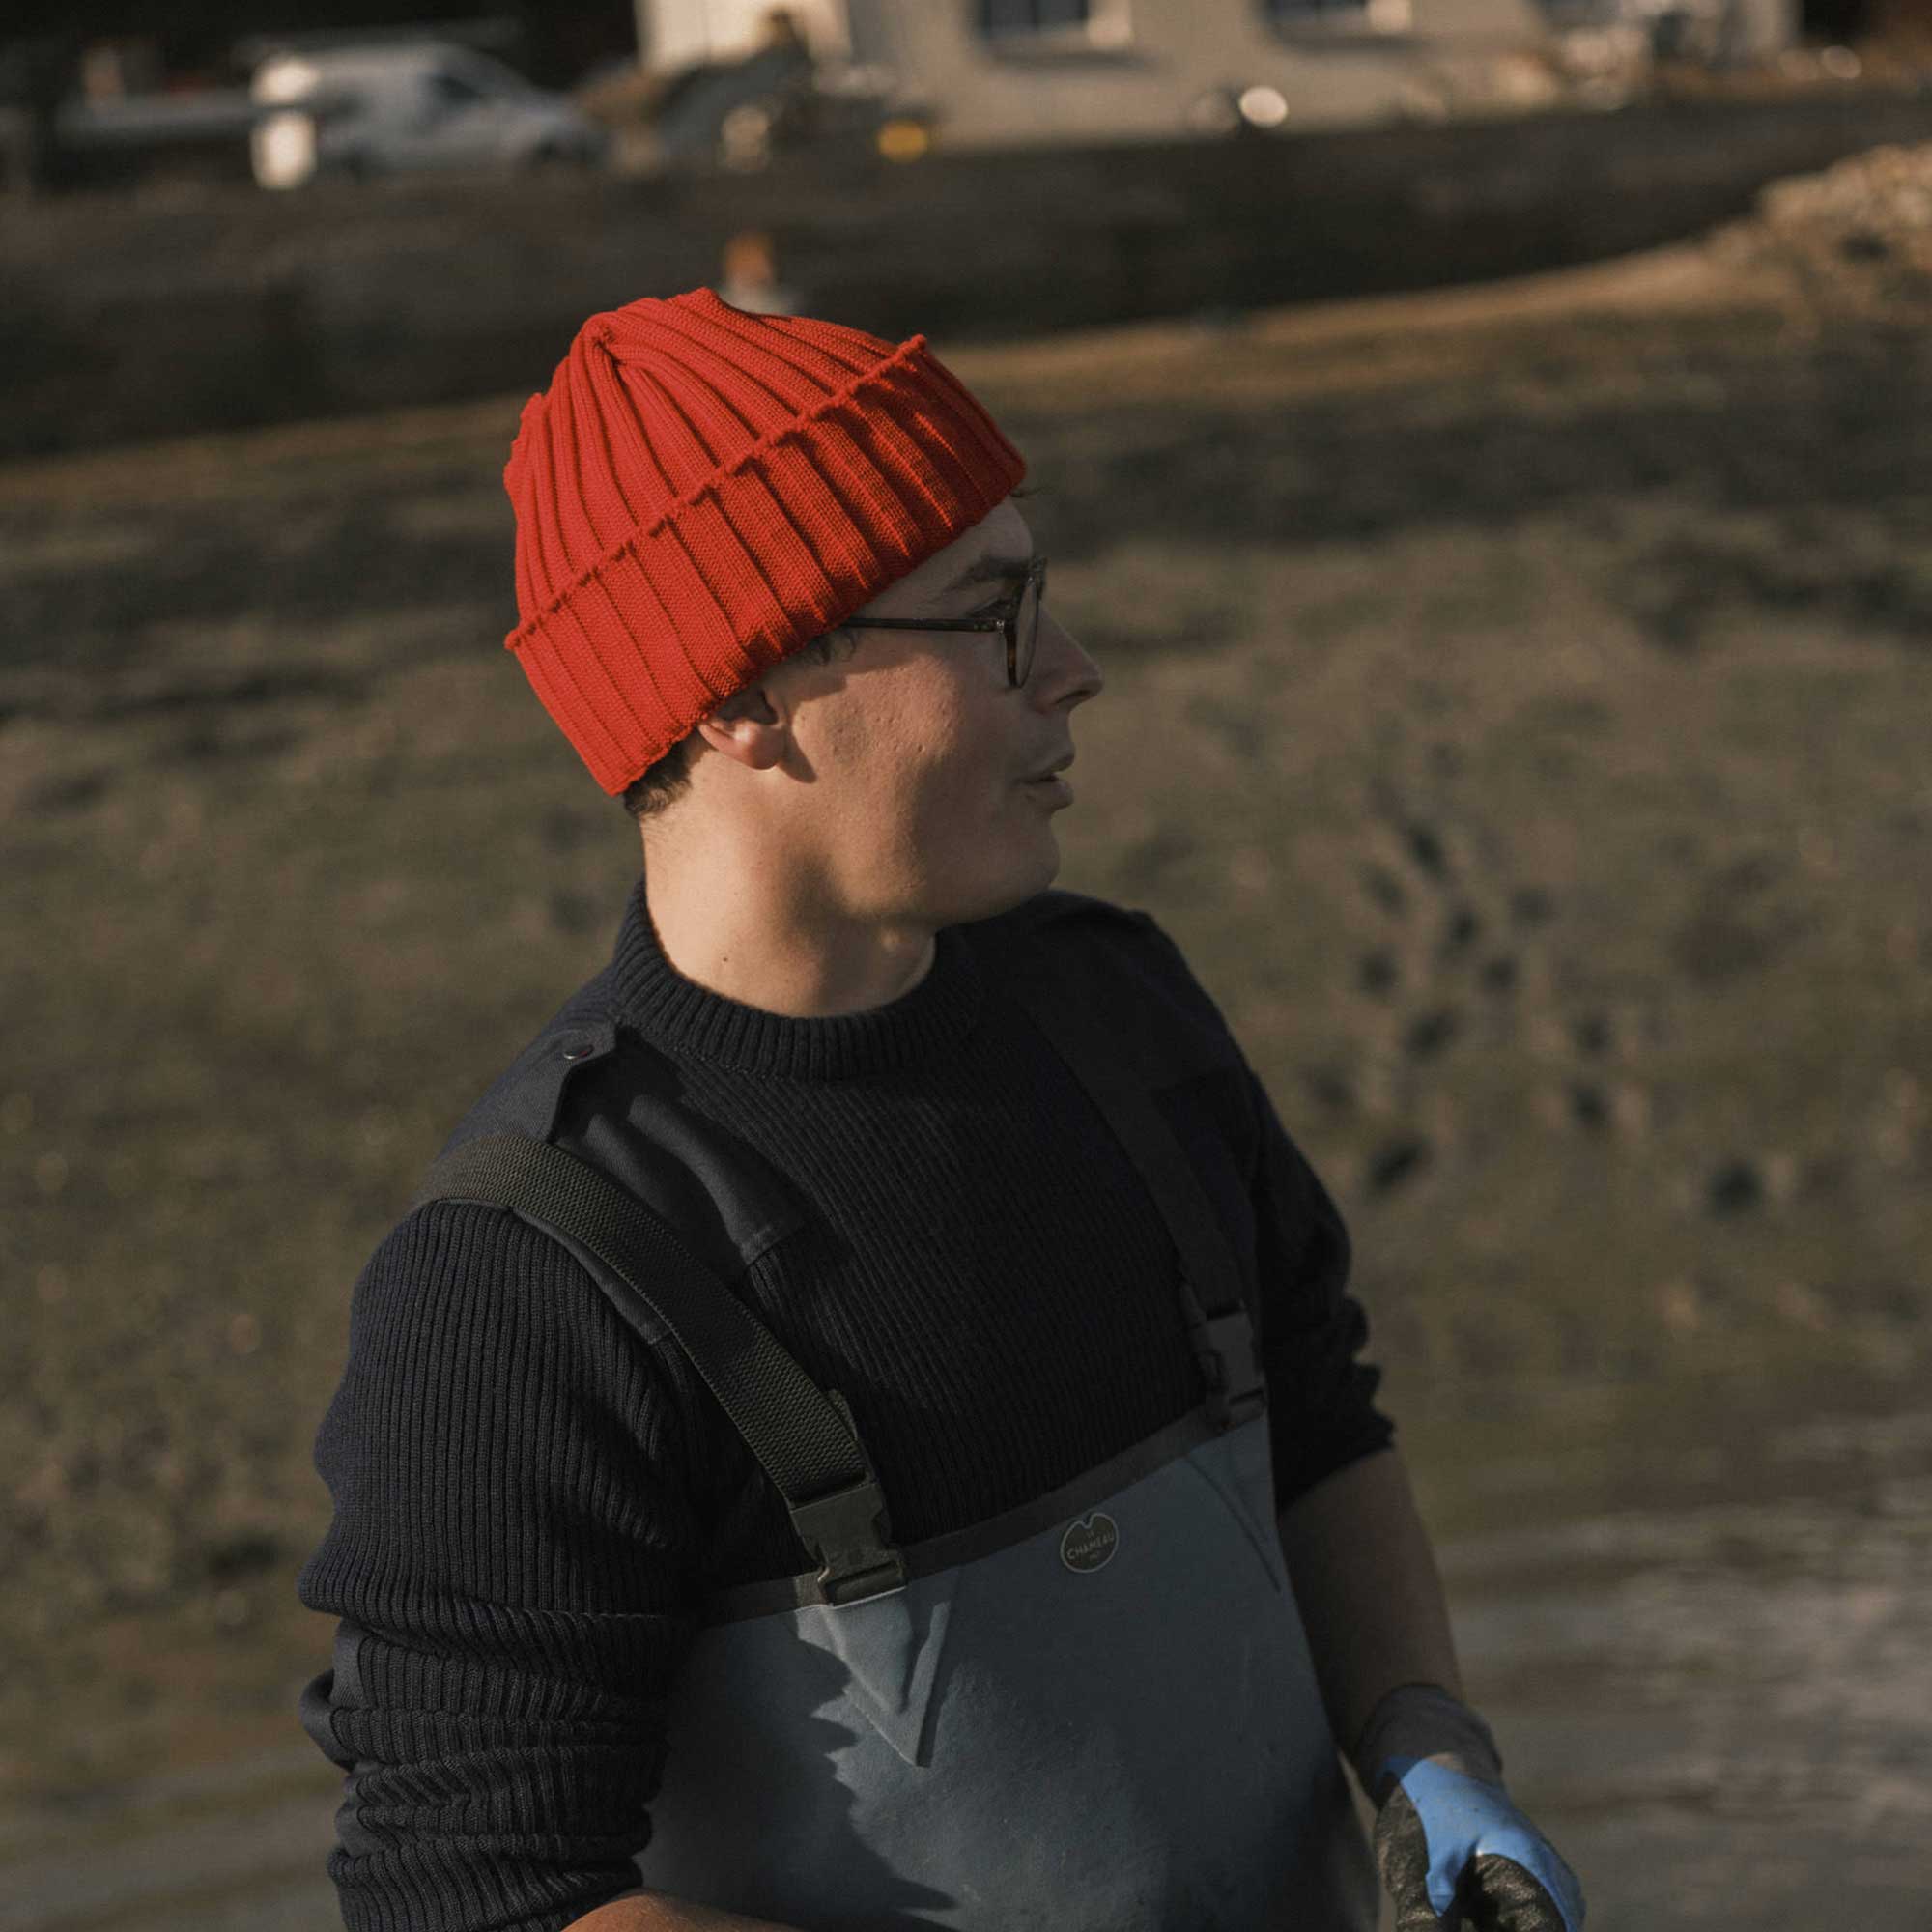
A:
(1453, 1850)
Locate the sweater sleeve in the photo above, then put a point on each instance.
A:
(1322, 1412)
(513, 1559)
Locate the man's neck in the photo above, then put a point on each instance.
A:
(766, 950)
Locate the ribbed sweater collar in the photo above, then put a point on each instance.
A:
(691, 1021)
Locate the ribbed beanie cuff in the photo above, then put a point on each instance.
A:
(702, 491)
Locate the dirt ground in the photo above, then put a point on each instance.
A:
(1517, 708)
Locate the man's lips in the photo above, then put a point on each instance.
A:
(1053, 789)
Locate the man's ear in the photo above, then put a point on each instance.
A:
(747, 727)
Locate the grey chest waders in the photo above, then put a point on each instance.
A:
(1095, 1712)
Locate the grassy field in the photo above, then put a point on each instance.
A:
(1518, 708)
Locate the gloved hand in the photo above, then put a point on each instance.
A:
(1453, 1850)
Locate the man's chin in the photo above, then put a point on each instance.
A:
(1026, 882)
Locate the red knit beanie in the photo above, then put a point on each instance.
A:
(701, 490)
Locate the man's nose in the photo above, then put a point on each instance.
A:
(1061, 667)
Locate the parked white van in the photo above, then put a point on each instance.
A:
(400, 107)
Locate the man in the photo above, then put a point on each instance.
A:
(970, 1195)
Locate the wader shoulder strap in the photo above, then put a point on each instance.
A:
(803, 1436)
(1222, 1330)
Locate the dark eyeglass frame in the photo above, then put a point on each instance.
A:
(1004, 616)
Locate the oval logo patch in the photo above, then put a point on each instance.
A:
(1089, 1543)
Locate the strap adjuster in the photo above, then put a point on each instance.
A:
(1225, 1346)
(845, 1530)
(848, 1531)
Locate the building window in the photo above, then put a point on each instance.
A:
(1012, 19)
(1077, 27)
(1381, 15)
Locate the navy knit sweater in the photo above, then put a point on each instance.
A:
(530, 1500)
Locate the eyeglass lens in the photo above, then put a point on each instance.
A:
(1026, 627)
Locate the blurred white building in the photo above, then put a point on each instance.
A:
(1011, 72)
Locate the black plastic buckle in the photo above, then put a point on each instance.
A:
(845, 1530)
(1236, 1389)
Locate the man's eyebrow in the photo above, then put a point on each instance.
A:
(992, 570)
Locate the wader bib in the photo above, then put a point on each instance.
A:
(1095, 1712)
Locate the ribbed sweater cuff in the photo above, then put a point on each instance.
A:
(1423, 1720)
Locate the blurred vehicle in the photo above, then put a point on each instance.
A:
(201, 135)
(402, 108)
(743, 112)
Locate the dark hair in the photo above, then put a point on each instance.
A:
(659, 787)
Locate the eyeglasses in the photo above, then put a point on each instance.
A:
(1017, 616)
